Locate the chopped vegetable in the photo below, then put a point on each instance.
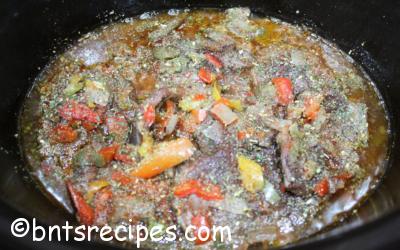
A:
(237, 22)
(322, 187)
(216, 92)
(190, 103)
(149, 115)
(199, 221)
(270, 193)
(223, 114)
(187, 188)
(199, 115)
(64, 134)
(206, 76)
(170, 107)
(165, 155)
(199, 97)
(75, 84)
(87, 157)
(234, 104)
(108, 153)
(175, 65)
(231, 204)
(121, 178)
(96, 92)
(213, 60)
(163, 53)
(206, 192)
(284, 90)
(84, 211)
(311, 109)
(72, 110)
(146, 146)
(95, 186)
(241, 135)
(89, 126)
(251, 173)
(210, 192)
(171, 124)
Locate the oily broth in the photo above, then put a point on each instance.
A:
(372, 158)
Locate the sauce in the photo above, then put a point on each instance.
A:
(206, 117)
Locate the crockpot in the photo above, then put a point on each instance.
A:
(33, 31)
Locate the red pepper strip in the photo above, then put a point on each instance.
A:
(187, 188)
(322, 187)
(121, 178)
(72, 110)
(149, 115)
(64, 134)
(89, 126)
(108, 153)
(205, 75)
(199, 221)
(284, 89)
(213, 60)
(210, 192)
(85, 212)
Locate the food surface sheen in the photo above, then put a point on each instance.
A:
(212, 116)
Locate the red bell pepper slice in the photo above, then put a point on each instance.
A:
(205, 75)
(84, 211)
(72, 110)
(284, 89)
(64, 134)
(199, 221)
(109, 152)
(213, 60)
(149, 115)
(205, 192)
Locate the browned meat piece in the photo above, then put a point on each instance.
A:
(210, 136)
(293, 177)
(220, 168)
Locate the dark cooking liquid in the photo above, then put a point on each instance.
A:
(118, 68)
